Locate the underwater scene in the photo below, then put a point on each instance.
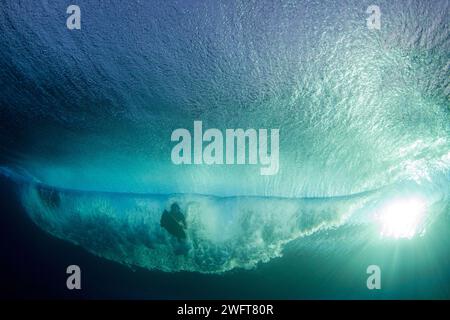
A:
(292, 149)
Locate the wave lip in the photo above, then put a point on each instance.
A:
(223, 233)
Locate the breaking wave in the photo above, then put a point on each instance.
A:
(223, 233)
(364, 120)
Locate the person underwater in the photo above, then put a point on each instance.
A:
(174, 222)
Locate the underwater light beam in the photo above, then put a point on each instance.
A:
(401, 218)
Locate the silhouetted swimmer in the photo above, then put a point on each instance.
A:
(174, 222)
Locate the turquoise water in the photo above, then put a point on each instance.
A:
(86, 119)
(252, 247)
(225, 233)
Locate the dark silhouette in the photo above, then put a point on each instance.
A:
(174, 222)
